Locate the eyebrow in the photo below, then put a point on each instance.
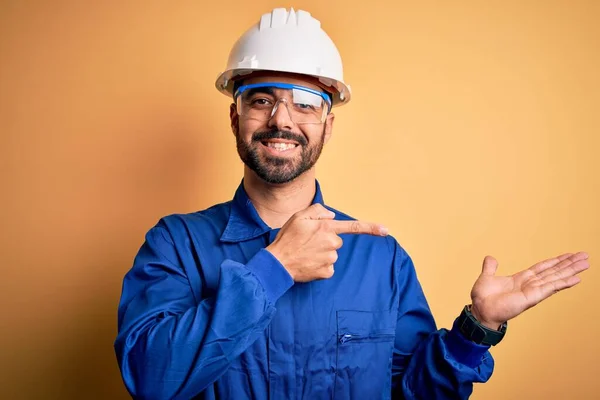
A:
(263, 90)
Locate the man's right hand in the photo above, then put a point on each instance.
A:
(308, 242)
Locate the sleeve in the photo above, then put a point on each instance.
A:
(169, 345)
(429, 363)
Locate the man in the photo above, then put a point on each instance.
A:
(275, 295)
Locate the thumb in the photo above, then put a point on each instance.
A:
(490, 265)
(317, 211)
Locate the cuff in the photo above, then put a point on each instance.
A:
(271, 274)
(462, 349)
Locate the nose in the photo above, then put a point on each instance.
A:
(280, 116)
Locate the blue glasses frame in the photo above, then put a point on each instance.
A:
(280, 85)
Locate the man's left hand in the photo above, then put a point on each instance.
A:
(497, 299)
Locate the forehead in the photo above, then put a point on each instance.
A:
(294, 79)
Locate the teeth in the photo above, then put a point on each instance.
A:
(281, 146)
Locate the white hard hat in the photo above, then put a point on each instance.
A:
(287, 42)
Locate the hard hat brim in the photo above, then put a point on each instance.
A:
(340, 92)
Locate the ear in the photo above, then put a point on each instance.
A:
(329, 126)
(234, 117)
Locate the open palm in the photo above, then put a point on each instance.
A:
(496, 299)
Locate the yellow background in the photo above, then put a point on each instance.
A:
(474, 129)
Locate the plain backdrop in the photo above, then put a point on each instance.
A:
(473, 130)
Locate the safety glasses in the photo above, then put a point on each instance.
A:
(260, 101)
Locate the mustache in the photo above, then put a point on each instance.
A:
(277, 134)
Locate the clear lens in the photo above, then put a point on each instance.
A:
(260, 102)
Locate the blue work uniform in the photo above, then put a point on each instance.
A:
(207, 312)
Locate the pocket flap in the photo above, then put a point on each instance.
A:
(365, 322)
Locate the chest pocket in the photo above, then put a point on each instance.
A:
(365, 341)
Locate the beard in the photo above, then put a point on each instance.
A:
(278, 170)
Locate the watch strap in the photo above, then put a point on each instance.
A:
(474, 331)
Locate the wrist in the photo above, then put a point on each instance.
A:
(494, 325)
(274, 279)
(273, 249)
(473, 330)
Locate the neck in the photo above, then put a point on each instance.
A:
(276, 203)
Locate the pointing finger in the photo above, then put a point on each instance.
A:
(358, 227)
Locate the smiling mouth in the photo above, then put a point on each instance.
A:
(280, 146)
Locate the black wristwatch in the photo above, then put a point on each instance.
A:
(477, 333)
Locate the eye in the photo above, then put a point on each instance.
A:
(260, 101)
(305, 108)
